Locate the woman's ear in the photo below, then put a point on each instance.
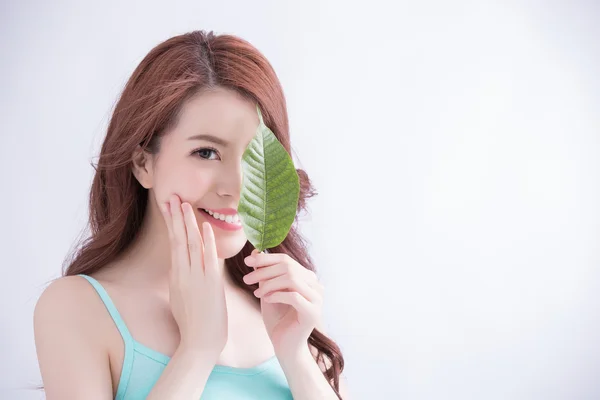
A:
(142, 167)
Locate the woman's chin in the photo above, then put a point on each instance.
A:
(228, 247)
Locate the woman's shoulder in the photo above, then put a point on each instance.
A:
(64, 293)
(67, 292)
(71, 302)
(68, 332)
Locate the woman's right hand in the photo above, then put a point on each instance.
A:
(196, 283)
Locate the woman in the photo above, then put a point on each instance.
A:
(163, 300)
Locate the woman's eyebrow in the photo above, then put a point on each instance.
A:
(210, 138)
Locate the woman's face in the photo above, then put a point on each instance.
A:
(203, 172)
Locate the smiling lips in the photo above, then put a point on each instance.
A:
(222, 211)
(229, 222)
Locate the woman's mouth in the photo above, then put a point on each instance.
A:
(226, 222)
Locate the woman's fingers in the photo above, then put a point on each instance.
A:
(286, 283)
(261, 274)
(165, 208)
(210, 251)
(166, 212)
(296, 300)
(182, 257)
(195, 243)
(193, 248)
(257, 259)
(179, 262)
(272, 271)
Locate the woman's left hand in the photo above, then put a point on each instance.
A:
(291, 299)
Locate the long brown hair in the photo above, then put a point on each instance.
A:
(171, 73)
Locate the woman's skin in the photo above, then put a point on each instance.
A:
(77, 342)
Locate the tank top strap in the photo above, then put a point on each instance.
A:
(110, 306)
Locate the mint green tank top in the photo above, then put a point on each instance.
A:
(142, 366)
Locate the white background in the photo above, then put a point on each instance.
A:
(454, 146)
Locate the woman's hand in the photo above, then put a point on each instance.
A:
(196, 284)
(291, 300)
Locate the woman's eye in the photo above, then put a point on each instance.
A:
(205, 153)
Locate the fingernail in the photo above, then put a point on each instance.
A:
(249, 260)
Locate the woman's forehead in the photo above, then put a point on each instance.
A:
(223, 114)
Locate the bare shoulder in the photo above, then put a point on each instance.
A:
(61, 288)
(72, 306)
(68, 340)
(68, 299)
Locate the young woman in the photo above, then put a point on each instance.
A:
(167, 299)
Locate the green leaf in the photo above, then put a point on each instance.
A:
(270, 189)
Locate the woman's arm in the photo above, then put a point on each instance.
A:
(72, 362)
(306, 379)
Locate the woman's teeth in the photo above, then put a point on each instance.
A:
(231, 219)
